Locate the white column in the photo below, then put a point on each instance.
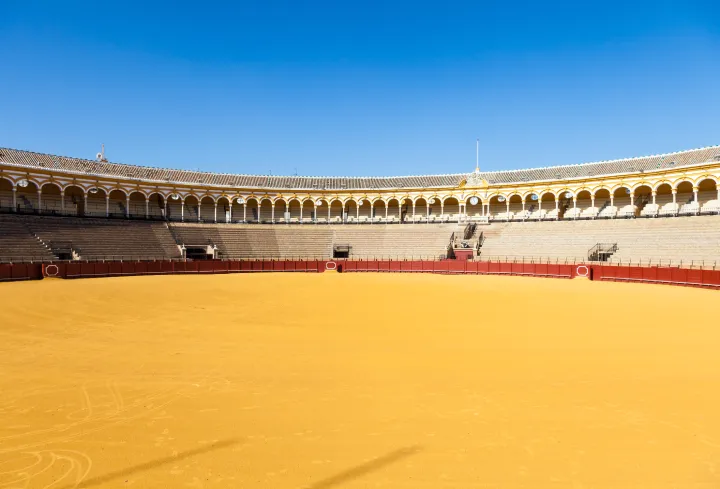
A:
(165, 207)
(386, 211)
(215, 211)
(301, 206)
(557, 203)
(372, 207)
(427, 215)
(127, 206)
(182, 210)
(329, 204)
(695, 194)
(574, 207)
(507, 206)
(14, 204)
(612, 200)
(62, 202)
(85, 207)
(229, 217)
(357, 212)
(592, 200)
(199, 210)
(523, 205)
(314, 212)
(107, 205)
(39, 199)
(272, 213)
(442, 209)
(632, 199)
(400, 211)
(654, 194)
(147, 208)
(244, 212)
(413, 214)
(674, 194)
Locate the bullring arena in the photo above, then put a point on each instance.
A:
(553, 327)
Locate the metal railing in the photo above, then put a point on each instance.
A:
(639, 262)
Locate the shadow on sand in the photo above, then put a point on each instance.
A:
(94, 481)
(365, 468)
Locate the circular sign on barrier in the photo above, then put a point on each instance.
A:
(329, 267)
(51, 270)
(582, 271)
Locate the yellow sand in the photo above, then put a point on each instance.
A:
(358, 380)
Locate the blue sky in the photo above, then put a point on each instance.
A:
(359, 88)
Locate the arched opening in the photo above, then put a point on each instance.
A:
(472, 210)
(584, 205)
(281, 209)
(623, 200)
(6, 195)
(294, 209)
(643, 199)
(175, 207)
(116, 205)
(308, 211)
(532, 206)
(546, 206)
(351, 211)
(602, 202)
(434, 214)
(137, 205)
(406, 207)
(156, 206)
(686, 199)
(322, 208)
(237, 209)
(74, 201)
(708, 196)
(393, 210)
(665, 200)
(498, 207)
(51, 201)
(266, 210)
(451, 208)
(685, 193)
(364, 210)
(223, 209)
(252, 210)
(378, 210)
(421, 209)
(207, 209)
(27, 197)
(96, 202)
(190, 210)
(336, 211)
(516, 207)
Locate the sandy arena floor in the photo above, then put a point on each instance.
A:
(358, 380)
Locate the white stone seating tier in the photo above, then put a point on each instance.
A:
(572, 213)
(609, 211)
(504, 216)
(650, 210)
(689, 209)
(669, 209)
(627, 211)
(552, 214)
(521, 215)
(711, 207)
(537, 214)
(589, 213)
(692, 240)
